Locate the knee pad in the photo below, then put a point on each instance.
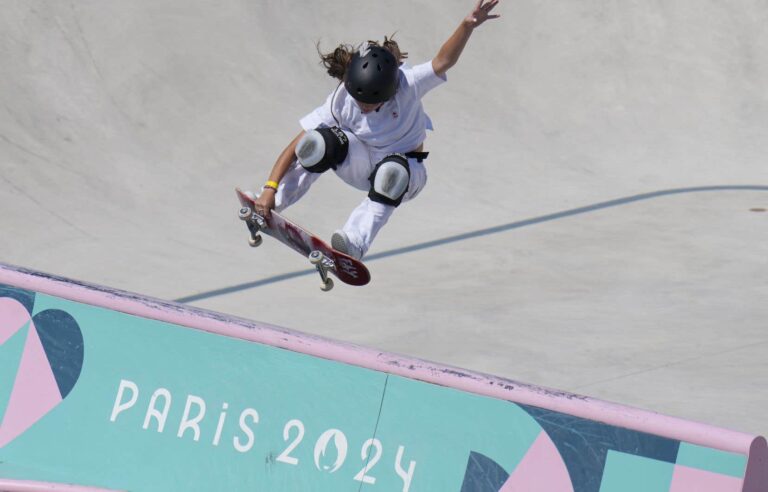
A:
(322, 149)
(389, 180)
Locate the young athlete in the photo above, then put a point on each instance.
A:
(370, 131)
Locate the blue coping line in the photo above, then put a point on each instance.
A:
(475, 234)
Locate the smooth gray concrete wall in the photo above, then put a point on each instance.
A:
(124, 128)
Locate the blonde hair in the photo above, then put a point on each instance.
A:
(337, 61)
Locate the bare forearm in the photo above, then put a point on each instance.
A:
(285, 160)
(451, 50)
(266, 200)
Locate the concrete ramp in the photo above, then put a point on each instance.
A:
(107, 389)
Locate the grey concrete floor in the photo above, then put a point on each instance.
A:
(594, 219)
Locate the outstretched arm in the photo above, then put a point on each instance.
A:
(451, 50)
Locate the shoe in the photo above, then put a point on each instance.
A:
(340, 242)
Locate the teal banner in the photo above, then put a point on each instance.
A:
(100, 398)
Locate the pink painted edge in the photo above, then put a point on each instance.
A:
(472, 382)
(542, 469)
(16, 316)
(7, 485)
(686, 479)
(35, 391)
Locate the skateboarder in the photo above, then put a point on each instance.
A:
(370, 131)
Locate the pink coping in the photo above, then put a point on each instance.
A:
(472, 382)
(13, 316)
(541, 470)
(30, 486)
(34, 393)
(687, 479)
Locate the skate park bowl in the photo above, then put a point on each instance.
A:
(115, 391)
(595, 220)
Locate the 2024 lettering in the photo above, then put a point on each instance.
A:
(294, 431)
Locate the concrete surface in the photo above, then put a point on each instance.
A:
(124, 128)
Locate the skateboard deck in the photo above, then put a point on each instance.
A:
(326, 259)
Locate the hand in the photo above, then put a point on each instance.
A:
(265, 202)
(482, 13)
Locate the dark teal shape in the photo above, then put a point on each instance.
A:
(63, 344)
(483, 474)
(26, 298)
(584, 445)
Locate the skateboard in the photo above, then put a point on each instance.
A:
(322, 256)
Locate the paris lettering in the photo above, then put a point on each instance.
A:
(157, 408)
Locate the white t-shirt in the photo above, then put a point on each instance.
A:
(400, 125)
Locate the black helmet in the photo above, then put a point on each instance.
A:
(371, 76)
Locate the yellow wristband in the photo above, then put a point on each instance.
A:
(271, 184)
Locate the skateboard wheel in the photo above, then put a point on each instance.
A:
(245, 213)
(316, 257)
(255, 241)
(327, 285)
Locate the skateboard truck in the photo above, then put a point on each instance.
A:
(318, 259)
(321, 255)
(254, 224)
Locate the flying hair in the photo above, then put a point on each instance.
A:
(337, 61)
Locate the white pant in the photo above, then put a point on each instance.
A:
(369, 217)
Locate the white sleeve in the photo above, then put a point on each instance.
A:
(321, 116)
(424, 79)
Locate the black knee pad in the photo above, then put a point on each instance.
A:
(390, 180)
(322, 149)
